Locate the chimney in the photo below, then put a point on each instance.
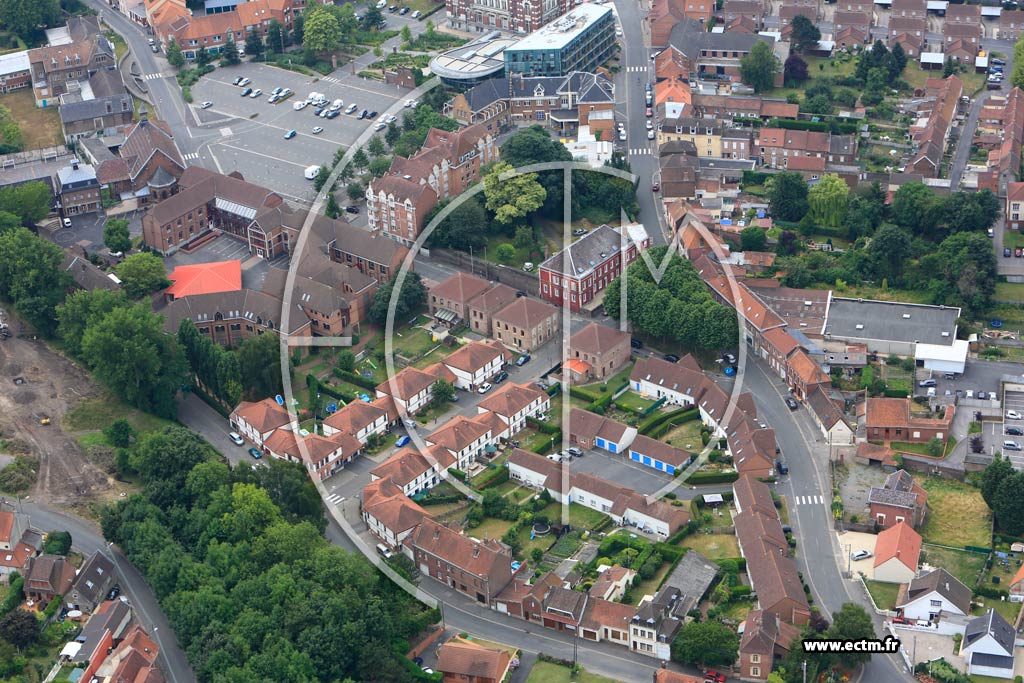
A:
(143, 115)
(476, 551)
(437, 534)
(74, 164)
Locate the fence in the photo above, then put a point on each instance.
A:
(932, 467)
(526, 282)
(31, 156)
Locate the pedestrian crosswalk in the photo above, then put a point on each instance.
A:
(637, 69)
(809, 500)
(152, 77)
(191, 156)
(334, 499)
(330, 79)
(639, 151)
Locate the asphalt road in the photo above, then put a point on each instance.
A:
(87, 539)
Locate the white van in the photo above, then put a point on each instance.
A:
(312, 172)
(383, 551)
(337, 104)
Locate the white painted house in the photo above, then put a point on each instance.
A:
(476, 363)
(987, 646)
(931, 596)
(257, 421)
(361, 420)
(513, 403)
(464, 438)
(678, 383)
(408, 470)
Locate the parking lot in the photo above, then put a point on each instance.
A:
(224, 248)
(978, 376)
(615, 468)
(250, 132)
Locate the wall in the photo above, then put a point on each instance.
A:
(522, 281)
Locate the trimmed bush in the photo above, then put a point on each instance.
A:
(354, 378)
(543, 427)
(712, 478)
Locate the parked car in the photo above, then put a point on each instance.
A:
(410, 103)
(523, 360)
(729, 358)
(206, 105)
(236, 439)
(1014, 431)
(317, 130)
(713, 677)
(380, 125)
(575, 452)
(238, 79)
(350, 108)
(578, 232)
(927, 383)
(402, 441)
(983, 395)
(383, 551)
(500, 377)
(649, 113)
(635, 343)
(66, 222)
(791, 403)
(362, 114)
(244, 82)
(255, 93)
(255, 453)
(1007, 252)
(484, 388)
(351, 209)
(656, 187)
(671, 358)
(403, 11)
(650, 135)
(372, 114)
(332, 114)
(782, 467)
(860, 555)
(528, 266)
(1018, 252)
(1014, 415)
(998, 62)
(1011, 446)
(246, 92)
(417, 14)
(289, 135)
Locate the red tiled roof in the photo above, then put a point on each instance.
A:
(205, 278)
(263, 416)
(466, 659)
(900, 542)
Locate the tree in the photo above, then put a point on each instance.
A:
(119, 433)
(805, 35)
(30, 202)
(275, 37)
(1017, 79)
(877, 56)
(142, 274)
(174, 56)
(505, 253)
(967, 265)
(346, 360)
(321, 178)
(355, 191)
(331, 208)
(752, 238)
(795, 69)
(203, 56)
(759, 66)
(376, 147)
(443, 392)
(128, 351)
(410, 299)
(819, 104)
(897, 62)
(371, 19)
(706, 643)
(970, 211)
(322, 32)
(851, 622)
(298, 29)
(393, 132)
(31, 277)
(359, 159)
(229, 55)
(463, 228)
(254, 44)
(116, 236)
(259, 359)
(27, 18)
(512, 197)
(19, 628)
(934, 447)
(8, 221)
(888, 251)
(993, 475)
(917, 208)
(950, 67)
(79, 310)
(828, 200)
(788, 244)
(406, 34)
(787, 194)
(379, 166)
(57, 543)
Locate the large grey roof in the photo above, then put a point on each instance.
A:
(95, 578)
(690, 37)
(94, 109)
(883, 496)
(690, 580)
(891, 321)
(945, 584)
(82, 176)
(585, 253)
(487, 93)
(991, 623)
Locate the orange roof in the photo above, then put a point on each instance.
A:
(205, 278)
(672, 91)
(806, 369)
(1018, 576)
(900, 542)
(580, 367)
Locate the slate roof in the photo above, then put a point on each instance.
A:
(95, 578)
(144, 140)
(585, 253)
(487, 93)
(943, 583)
(691, 37)
(94, 109)
(992, 623)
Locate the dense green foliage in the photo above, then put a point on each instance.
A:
(259, 360)
(707, 643)
(411, 298)
(1003, 488)
(678, 308)
(759, 66)
(31, 278)
(30, 202)
(250, 586)
(214, 367)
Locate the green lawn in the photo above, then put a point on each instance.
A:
(960, 563)
(580, 517)
(616, 380)
(490, 528)
(877, 293)
(884, 594)
(631, 400)
(94, 414)
(916, 448)
(413, 343)
(713, 546)
(957, 514)
(545, 672)
(650, 586)
(685, 436)
(1010, 291)
(1013, 238)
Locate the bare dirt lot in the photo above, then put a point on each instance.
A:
(38, 384)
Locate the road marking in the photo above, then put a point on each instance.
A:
(225, 132)
(191, 156)
(639, 151)
(330, 79)
(260, 154)
(152, 77)
(809, 500)
(334, 499)
(636, 69)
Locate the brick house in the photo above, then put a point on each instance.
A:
(110, 110)
(486, 103)
(777, 145)
(147, 164)
(58, 69)
(449, 161)
(411, 388)
(479, 569)
(361, 420)
(466, 438)
(389, 514)
(899, 499)
(577, 274)
(213, 31)
(1011, 23)
(321, 456)
(78, 190)
(597, 352)
(370, 252)
(890, 419)
(516, 16)
(665, 14)
(49, 577)
(526, 324)
(228, 318)
(608, 621)
(738, 9)
(334, 297)
(410, 471)
(563, 103)
(397, 206)
(15, 71)
(590, 430)
(449, 299)
(916, 9)
(909, 32)
(483, 307)
(1015, 206)
(766, 640)
(464, 661)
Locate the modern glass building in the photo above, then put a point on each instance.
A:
(579, 41)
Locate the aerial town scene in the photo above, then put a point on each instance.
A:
(511, 341)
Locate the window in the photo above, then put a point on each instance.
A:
(755, 659)
(755, 671)
(935, 603)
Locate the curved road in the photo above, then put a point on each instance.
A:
(87, 539)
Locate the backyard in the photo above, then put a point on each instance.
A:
(685, 436)
(884, 594)
(713, 546)
(962, 564)
(546, 672)
(957, 514)
(633, 401)
(1010, 291)
(39, 127)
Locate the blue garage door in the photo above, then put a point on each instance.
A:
(634, 455)
(612, 447)
(599, 443)
(647, 461)
(670, 469)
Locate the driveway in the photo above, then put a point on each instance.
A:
(853, 541)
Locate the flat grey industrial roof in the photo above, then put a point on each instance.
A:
(891, 321)
(562, 31)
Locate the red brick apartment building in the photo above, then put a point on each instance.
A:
(479, 569)
(890, 419)
(515, 16)
(576, 275)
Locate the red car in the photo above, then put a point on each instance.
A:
(1018, 252)
(713, 677)
(655, 187)
(650, 112)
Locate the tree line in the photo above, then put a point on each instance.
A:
(252, 589)
(679, 308)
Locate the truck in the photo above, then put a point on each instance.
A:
(311, 172)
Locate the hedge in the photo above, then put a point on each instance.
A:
(458, 474)
(726, 496)
(441, 499)
(690, 527)
(543, 427)
(583, 394)
(14, 595)
(755, 177)
(835, 127)
(739, 592)
(603, 402)
(498, 477)
(556, 388)
(713, 478)
(670, 552)
(543, 446)
(678, 416)
(895, 393)
(994, 594)
(354, 378)
(741, 563)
